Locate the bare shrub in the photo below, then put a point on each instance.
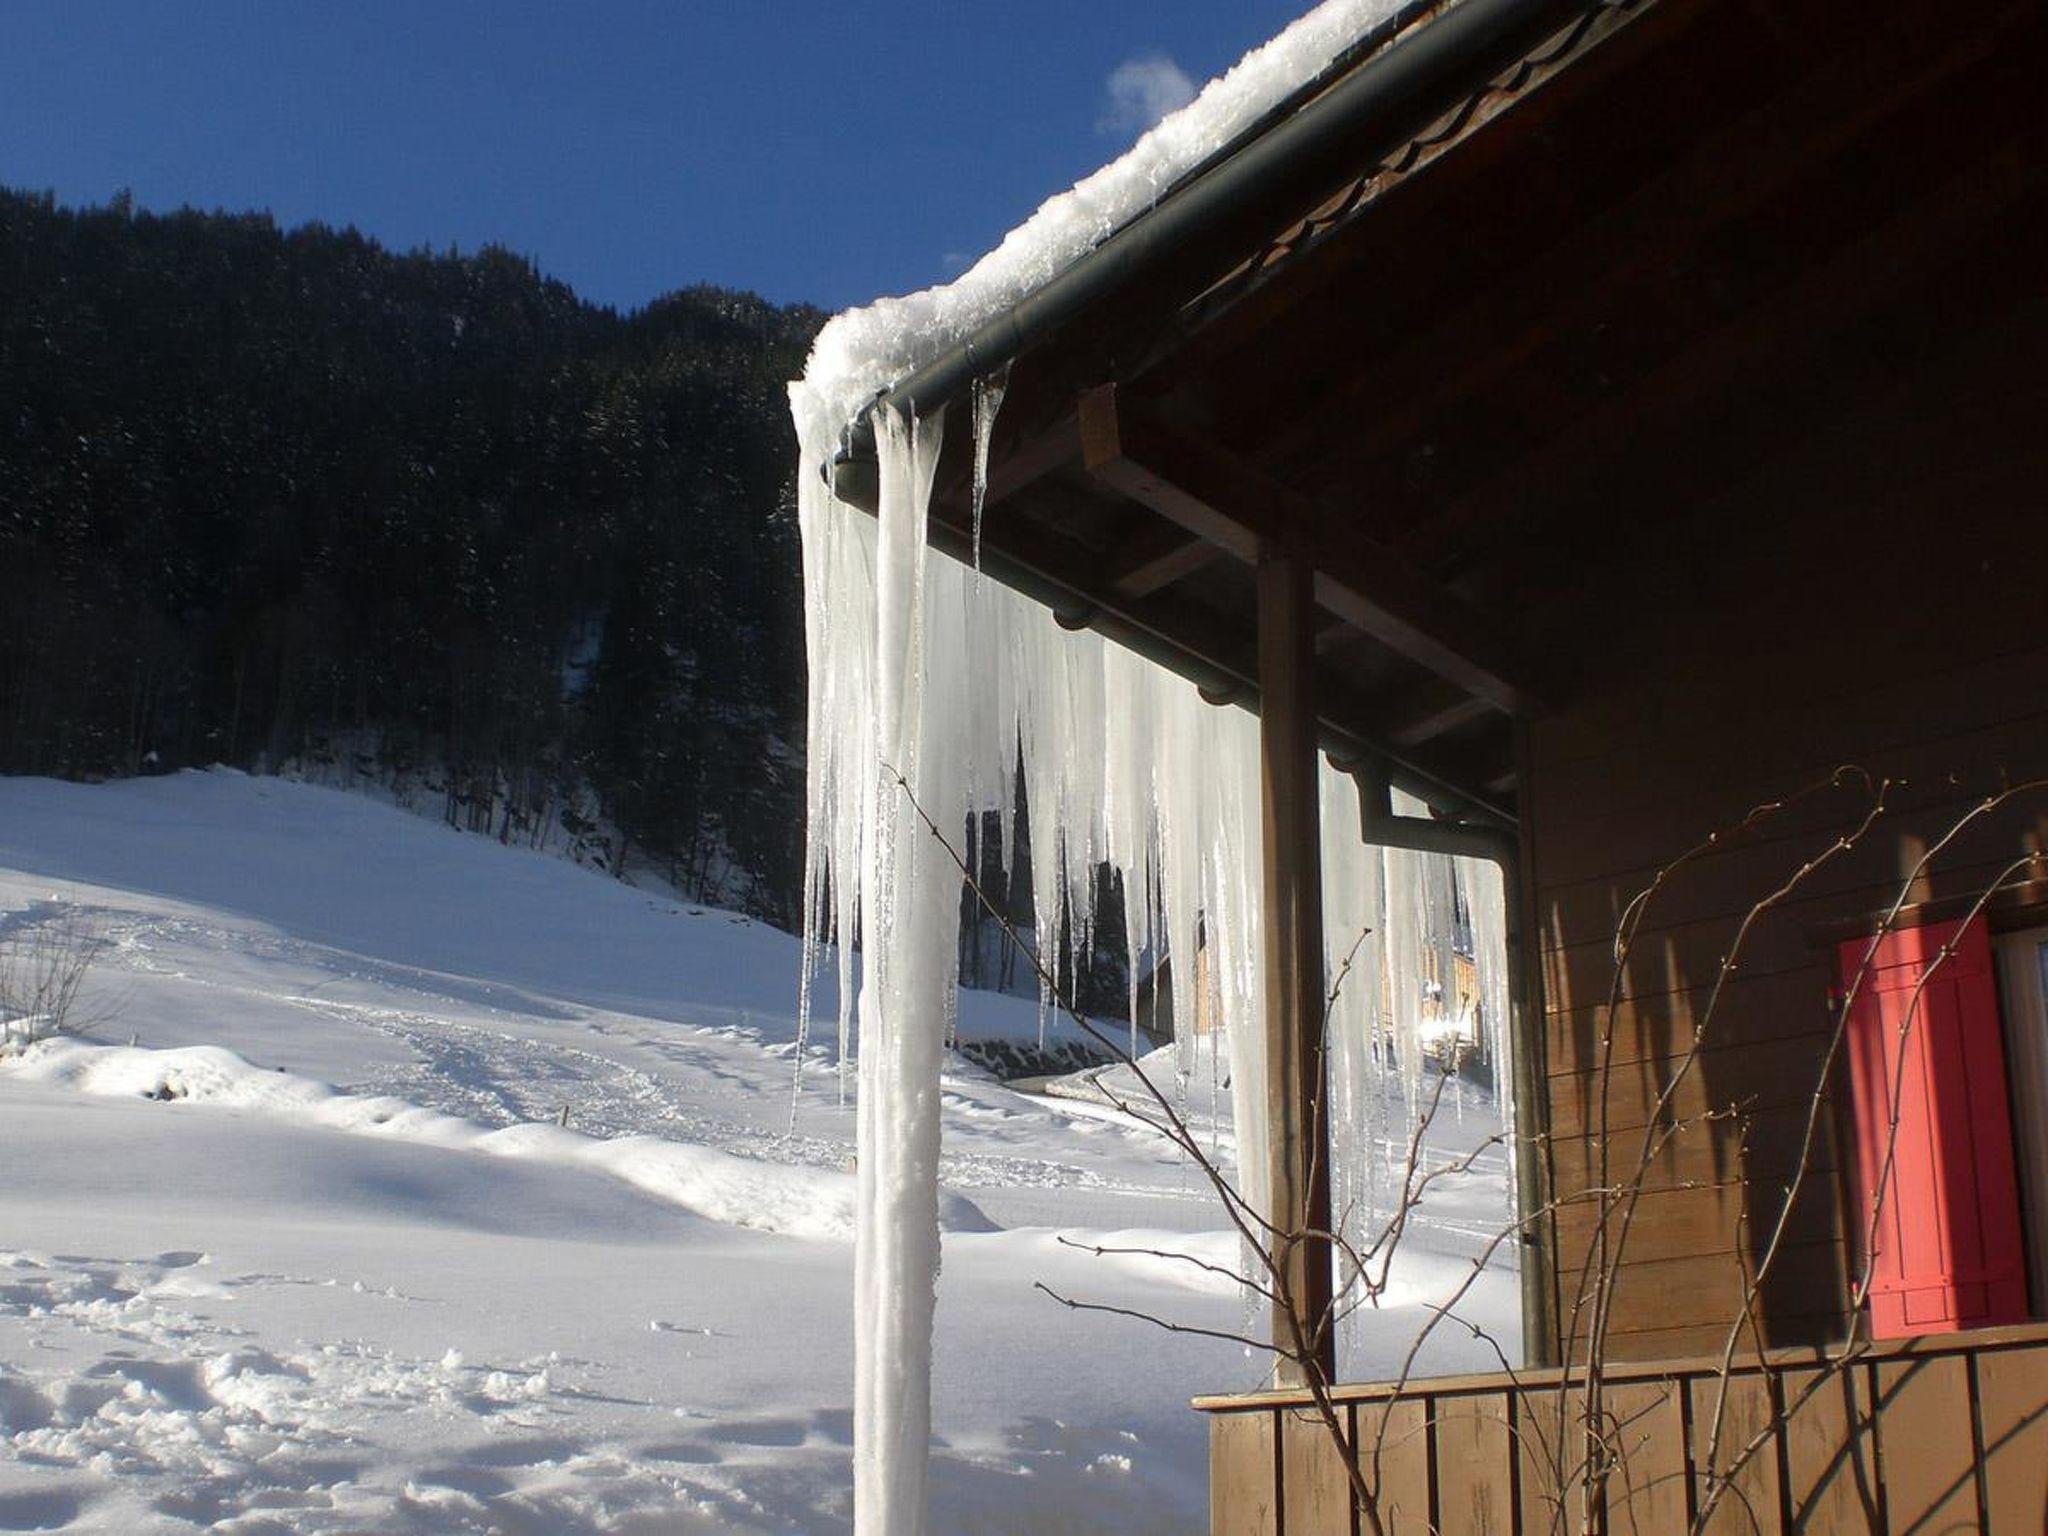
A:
(1588, 1448)
(46, 950)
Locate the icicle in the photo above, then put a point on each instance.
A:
(908, 909)
(1353, 881)
(887, 664)
(1487, 903)
(988, 399)
(968, 692)
(1403, 952)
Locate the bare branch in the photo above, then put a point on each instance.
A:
(1102, 1251)
(1158, 1322)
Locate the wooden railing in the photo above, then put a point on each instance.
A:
(1933, 1435)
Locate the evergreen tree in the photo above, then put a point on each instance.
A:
(267, 495)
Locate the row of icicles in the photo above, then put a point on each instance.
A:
(931, 689)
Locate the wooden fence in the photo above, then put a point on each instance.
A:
(1933, 1435)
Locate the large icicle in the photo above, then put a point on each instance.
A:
(1354, 877)
(1487, 895)
(888, 660)
(909, 916)
(1405, 948)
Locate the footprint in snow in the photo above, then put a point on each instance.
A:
(477, 1482)
(689, 1453)
(537, 1451)
(762, 1432)
(22, 1407)
(50, 1510)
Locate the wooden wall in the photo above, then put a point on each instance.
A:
(1935, 1435)
(1871, 594)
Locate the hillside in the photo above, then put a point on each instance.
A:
(282, 498)
(295, 1242)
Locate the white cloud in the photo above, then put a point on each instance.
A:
(1141, 91)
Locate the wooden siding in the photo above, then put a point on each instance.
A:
(1923, 1436)
(1865, 596)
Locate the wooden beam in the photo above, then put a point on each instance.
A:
(1436, 713)
(1025, 537)
(1333, 635)
(1298, 1142)
(1232, 504)
(1119, 448)
(1934, 225)
(1156, 556)
(1024, 464)
(1485, 335)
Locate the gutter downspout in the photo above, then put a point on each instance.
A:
(1427, 834)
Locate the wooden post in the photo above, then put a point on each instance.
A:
(1295, 1078)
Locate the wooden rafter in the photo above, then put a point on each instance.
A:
(1231, 504)
(1024, 465)
(1155, 556)
(1433, 713)
(1801, 316)
(1505, 326)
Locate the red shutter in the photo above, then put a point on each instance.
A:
(1948, 1250)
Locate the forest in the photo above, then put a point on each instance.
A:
(288, 501)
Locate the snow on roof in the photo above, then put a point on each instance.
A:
(864, 351)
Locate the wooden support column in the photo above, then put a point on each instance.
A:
(1293, 939)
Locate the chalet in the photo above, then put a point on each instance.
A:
(1622, 425)
(1452, 1007)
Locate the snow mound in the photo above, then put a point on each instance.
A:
(397, 898)
(306, 1304)
(789, 1200)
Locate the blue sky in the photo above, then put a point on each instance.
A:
(814, 151)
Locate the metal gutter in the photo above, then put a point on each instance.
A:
(1357, 52)
(1264, 177)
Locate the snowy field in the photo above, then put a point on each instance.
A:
(292, 1238)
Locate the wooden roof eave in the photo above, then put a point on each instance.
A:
(1192, 237)
(1214, 509)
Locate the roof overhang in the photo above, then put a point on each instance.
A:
(1467, 321)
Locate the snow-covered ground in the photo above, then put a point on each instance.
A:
(293, 1237)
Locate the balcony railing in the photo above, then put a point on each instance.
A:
(1938, 1434)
